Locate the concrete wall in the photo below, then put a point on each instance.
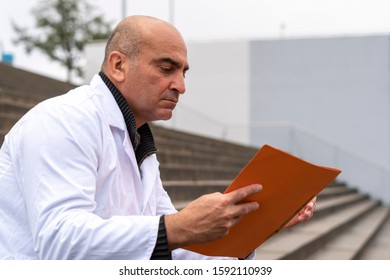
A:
(94, 54)
(336, 87)
(217, 95)
(334, 94)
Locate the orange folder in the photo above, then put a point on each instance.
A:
(289, 183)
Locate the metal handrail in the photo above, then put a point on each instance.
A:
(376, 177)
(297, 127)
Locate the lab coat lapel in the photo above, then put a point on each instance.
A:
(150, 176)
(113, 114)
(115, 119)
(147, 176)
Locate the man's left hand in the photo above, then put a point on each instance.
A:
(304, 214)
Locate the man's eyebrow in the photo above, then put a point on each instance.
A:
(172, 61)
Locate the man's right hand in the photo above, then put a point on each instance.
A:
(209, 217)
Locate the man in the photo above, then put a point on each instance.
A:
(78, 174)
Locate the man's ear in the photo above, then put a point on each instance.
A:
(116, 64)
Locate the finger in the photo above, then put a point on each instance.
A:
(311, 206)
(245, 208)
(307, 215)
(242, 193)
(236, 220)
(313, 203)
(240, 210)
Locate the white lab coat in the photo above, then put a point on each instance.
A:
(70, 185)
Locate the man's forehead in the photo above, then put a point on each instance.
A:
(165, 44)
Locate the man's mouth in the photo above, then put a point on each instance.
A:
(171, 103)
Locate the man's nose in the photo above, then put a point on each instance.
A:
(178, 84)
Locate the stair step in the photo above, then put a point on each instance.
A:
(16, 98)
(379, 247)
(304, 239)
(200, 158)
(204, 147)
(179, 205)
(334, 204)
(181, 192)
(170, 139)
(2, 135)
(197, 172)
(336, 190)
(7, 120)
(14, 104)
(348, 244)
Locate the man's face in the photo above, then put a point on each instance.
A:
(156, 80)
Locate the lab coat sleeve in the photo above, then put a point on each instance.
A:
(56, 162)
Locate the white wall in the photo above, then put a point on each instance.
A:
(337, 87)
(335, 94)
(94, 54)
(217, 93)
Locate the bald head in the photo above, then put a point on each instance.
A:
(146, 60)
(133, 33)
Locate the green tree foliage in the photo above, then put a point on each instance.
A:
(62, 29)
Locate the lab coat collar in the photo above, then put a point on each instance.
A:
(113, 113)
(115, 117)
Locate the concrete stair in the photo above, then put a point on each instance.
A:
(12, 107)
(346, 225)
(187, 157)
(342, 228)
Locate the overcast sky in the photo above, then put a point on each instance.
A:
(217, 20)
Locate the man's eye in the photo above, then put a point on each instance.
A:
(166, 69)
